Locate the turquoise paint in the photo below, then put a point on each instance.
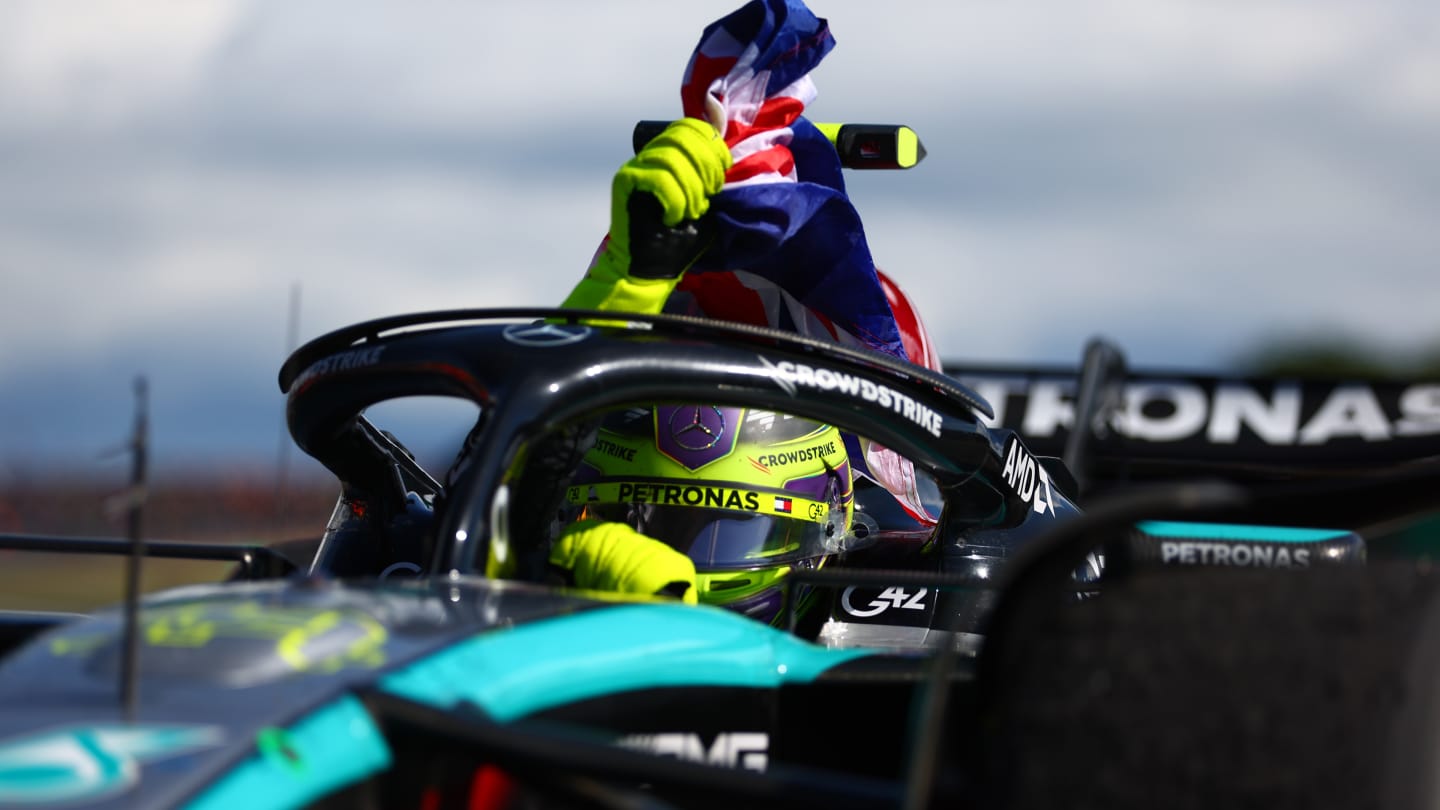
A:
(512, 673)
(90, 763)
(110, 767)
(1236, 531)
(336, 746)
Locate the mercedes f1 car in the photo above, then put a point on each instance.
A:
(982, 641)
(383, 668)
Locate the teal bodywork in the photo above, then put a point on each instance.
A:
(337, 745)
(271, 680)
(1238, 531)
(535, 666)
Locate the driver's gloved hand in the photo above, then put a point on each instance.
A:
(601, 556)
(673, 177)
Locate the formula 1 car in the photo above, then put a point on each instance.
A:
(388, 670)
(973, 660)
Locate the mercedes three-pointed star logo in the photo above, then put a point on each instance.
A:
(546, 335)
(698, 428)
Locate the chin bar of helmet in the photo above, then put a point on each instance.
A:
(860, 146)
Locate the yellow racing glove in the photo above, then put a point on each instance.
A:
(602, 556)
(677, 173)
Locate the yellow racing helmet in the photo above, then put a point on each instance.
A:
(747, 494)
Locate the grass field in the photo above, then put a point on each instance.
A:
(238, 509)
(69, 582)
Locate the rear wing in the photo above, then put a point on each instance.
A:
(1378, 441)
(1162, 419)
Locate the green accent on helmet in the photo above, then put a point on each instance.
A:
(760, 593)
(722, 587)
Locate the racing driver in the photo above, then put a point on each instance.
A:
(742, 533)
(750, 73)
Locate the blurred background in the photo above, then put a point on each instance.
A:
(187, 187)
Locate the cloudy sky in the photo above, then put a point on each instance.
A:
(1188, 177)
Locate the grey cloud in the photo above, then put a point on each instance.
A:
(1184, 176)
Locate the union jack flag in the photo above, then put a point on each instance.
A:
(791, 250)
